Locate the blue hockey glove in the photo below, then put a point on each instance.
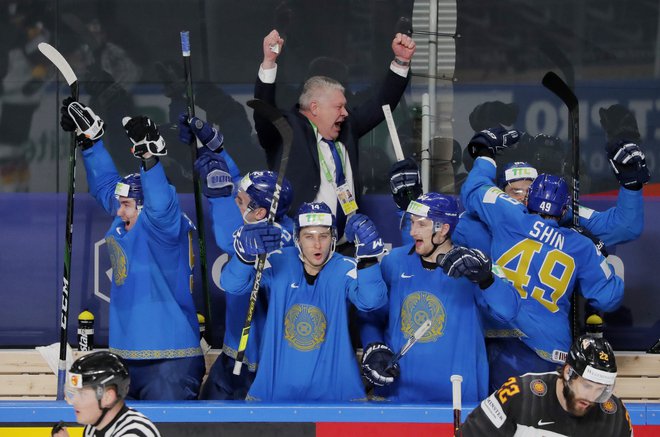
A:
(144, 135)
(362, 231)
(405, 182)
(254, 239)
(197, 127)
(490, 141)
(375, 360)
(78, 118)
(629, 164)
(471, 263)
(214, 175)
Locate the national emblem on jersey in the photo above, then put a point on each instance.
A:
(419, 307)
(304, 327)
(118, 261)
(609, 406)
(538, 387)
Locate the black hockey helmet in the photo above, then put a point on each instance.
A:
(593, 359)
(99, 370)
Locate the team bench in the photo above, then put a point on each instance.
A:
(25, 375)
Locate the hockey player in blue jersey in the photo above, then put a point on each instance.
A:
(544, 261)
(153, 322)
(619, 224)
(451, 297)
(306, 352)
(230, 208)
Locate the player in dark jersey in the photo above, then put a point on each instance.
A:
(96, 387)
(577, 401)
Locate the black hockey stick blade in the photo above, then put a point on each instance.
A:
(559, 88)
(272, 114)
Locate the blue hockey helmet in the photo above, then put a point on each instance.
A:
(315, 214)
(548, 195)
(516, 171)
(260, 186)
(440, 208)
(131, 186)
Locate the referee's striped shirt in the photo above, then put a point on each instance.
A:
(128, 423)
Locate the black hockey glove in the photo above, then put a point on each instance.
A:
(600, 246)
(471, 263)
(619, 123)
(375, 361)
(405, 182)
(78, 118)
(629, 164)
(490, 141)
(493, 113)
(144, 135)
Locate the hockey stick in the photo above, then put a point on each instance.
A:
(199, 209)
(419, 333)
(65, 69)
(456, 400)
(264, 110)
(559, 88)
(396, 143)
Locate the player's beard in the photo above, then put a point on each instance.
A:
(572, 402)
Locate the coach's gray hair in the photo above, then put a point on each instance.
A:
(314, 87)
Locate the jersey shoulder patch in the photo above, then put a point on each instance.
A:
(492, 194)
(494, 411)
(352, 273)
(585, 212)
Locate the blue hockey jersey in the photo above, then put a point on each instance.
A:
(544, 261)
(306, 352)
(455, 342)
(152, 314)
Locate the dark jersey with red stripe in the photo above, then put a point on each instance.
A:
(528, 406)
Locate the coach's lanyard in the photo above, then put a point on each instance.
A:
(324, 166)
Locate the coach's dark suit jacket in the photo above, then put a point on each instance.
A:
(303, 170)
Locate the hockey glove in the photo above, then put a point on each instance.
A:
(600, 246)
(490, 141)
(471, 263)
(254, 239)
(629, 164)
(362, 231)
(405, 182)
(493, 113)
(214, 175)
(78, 118)
(197, 127)
(144, 135)
(619, 123)
(375, 362)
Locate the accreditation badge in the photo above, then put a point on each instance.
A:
(346, 199)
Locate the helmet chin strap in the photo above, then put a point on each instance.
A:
(245, 219)
(105, 410)
(435, 246)
(304, 259)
